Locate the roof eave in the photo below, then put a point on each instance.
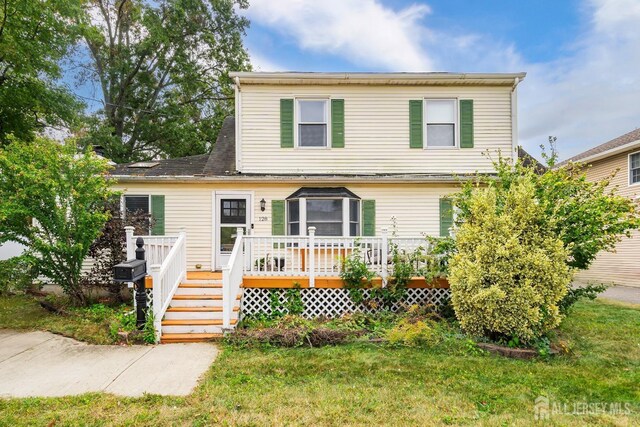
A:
(598, 156)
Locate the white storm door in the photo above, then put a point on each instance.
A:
(232, 211)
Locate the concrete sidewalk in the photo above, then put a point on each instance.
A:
(622, 293)
(44, 364)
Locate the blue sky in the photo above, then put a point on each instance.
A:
(582, 56)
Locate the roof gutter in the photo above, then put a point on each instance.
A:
(274, 179)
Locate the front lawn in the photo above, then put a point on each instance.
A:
(363, 384)
(91, 324)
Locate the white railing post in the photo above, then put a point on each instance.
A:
(131, 244)
(312, 257)
(384, 250)
(183, 234)
(157, 298)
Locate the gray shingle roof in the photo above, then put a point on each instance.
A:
(620, 141)
(221, 160)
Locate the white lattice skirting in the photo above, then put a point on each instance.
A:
(333, 302)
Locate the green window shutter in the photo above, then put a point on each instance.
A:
(446, 216)
(286, 123)
(466, 123)
(415, 123)
(157, 212)
(337, 123)
(368, 217)
(277, 218)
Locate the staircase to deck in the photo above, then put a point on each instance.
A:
(195, 311)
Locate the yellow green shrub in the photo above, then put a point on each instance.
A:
(406, 332)
(510, 271)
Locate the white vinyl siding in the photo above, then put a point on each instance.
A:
(620, 267)
(376, 129)
(415, 207)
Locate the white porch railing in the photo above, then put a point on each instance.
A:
(232, 279)
(167, 264)
(311, 256)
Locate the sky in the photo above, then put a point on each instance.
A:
(582, 57)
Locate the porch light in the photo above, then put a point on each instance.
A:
(263, 205)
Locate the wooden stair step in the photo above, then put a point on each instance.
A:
(190, 322)
(198, 297)
(198, 309)
(201, 297)
(184, 338)
(200, 285)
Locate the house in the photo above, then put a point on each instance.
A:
(312, 165)
(622, 154)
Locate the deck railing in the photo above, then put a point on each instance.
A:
(312, 256)
(167, 264)
(232, 279)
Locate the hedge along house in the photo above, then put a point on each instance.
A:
(312, 165)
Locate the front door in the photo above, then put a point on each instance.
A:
(232, 211)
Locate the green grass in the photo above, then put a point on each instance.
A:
(364, 384)
(85, 324)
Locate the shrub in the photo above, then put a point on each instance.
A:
(52, 201)
(510, 272)
(109, 248)
(356, 274)
(17, 274)
(588, 217)
(418, 333)
(575, 294)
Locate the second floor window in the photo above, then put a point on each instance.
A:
(312, 122)
(441, 120)
(634, 168)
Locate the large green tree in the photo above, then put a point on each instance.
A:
(53, 201)
(34, 37)
(162, 67)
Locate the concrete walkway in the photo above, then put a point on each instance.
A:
(622, 293)
(44, 364)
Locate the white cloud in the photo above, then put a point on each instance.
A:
(262, 63)
(364, 31)
(585, 98)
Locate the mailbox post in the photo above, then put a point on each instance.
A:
(135, 270)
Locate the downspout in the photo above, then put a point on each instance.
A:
(514, 118)
(237, 113)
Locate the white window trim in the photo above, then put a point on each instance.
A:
(296, 113)
(631, 184)
(302, 216)
(456, 132)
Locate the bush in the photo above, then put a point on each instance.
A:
(575, 294)
(510, 272)
(417, 333)
(17, 274)
(356, 274)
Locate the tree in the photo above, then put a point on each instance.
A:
(509, 273)
(586, 216)
(109, 248)
(162, 67)
(52, 200)
(34, 36)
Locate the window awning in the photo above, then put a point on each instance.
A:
(333, 192)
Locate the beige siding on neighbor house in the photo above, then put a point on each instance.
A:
(623, 266)
(376, 130)
(415, 206)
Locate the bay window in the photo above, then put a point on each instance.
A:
(332, 211)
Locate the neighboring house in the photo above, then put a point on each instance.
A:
(360, 157)
(622, 154)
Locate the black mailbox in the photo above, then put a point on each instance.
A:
(130, 271)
